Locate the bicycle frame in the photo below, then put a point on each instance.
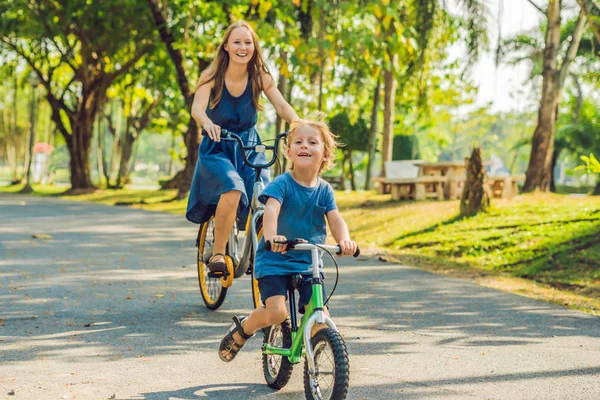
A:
(313, 313)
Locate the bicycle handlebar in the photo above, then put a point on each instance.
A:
(301, 244)
(259, 148)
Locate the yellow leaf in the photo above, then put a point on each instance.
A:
(254, 2)
(41, 236)
(377, 11)
(385, 2)
(296, 2)
(386, 22)
(264, 8)
(283, 69)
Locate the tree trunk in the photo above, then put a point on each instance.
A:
(282, 86)
(539, 174)
(100, 148)
(183, 179)
(31, 140)
(555, 154)
(475, 196)
(351, 170)
(9, 145)
(596, 191)
(172, 152)
(343, 169)
(388, 114)
(14, 132)
(79, 143)
(116, 147)
(372, 143)
(126, 152)
(288, 96)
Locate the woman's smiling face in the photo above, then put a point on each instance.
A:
(240, 45)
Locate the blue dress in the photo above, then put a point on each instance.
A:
(220, 167)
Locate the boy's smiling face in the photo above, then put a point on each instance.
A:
(307, 149)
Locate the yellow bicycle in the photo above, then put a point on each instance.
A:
(241, 246)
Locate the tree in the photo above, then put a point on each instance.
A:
(76, 53)
(538, 173)
(475, 196)
(354, 137)
(583, 135)
(33, 113)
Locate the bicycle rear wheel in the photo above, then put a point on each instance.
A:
(212, 290)
(332, 375)
(278, 369)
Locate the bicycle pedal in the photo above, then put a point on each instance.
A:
(218, 274)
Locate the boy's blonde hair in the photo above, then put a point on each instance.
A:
(329, 140)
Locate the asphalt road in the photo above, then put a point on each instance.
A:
(109, 307)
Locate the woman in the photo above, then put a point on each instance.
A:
(227, 97)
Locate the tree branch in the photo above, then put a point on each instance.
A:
(175, 54)
(573, 47)
(537, 7)
(591, 8)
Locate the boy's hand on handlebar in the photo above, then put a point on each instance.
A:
(277, 247)
(213, 131)
(348, 247)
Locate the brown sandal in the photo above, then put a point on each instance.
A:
(217, 269)
(229, 344)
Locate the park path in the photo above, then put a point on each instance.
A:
(109, 307)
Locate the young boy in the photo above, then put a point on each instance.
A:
(296, 205)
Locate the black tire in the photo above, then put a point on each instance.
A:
(329, 349)
(211, 289)
(253, 281)
(278, 369)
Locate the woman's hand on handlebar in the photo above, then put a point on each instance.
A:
(213, 131)
(277, 247)
(348, 247)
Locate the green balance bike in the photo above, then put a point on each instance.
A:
(326, 366)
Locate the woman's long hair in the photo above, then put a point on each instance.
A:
(216, 71)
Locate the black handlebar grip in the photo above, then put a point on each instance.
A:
(356, 254)
(268, 245)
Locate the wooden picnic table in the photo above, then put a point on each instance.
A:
(453, 171)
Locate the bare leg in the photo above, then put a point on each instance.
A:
(274, 312)
(224, 219)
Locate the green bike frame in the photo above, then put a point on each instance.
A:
(313, 313)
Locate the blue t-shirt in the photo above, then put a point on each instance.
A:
(302, 215)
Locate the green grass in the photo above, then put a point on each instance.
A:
(550, 240)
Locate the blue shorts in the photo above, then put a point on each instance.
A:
(277, 285)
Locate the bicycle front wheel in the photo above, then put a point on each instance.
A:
(212, 290)
(332, 368)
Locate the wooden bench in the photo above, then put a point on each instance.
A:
(334, 181)
(394, 170)
(504, 187)
(421, 188)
